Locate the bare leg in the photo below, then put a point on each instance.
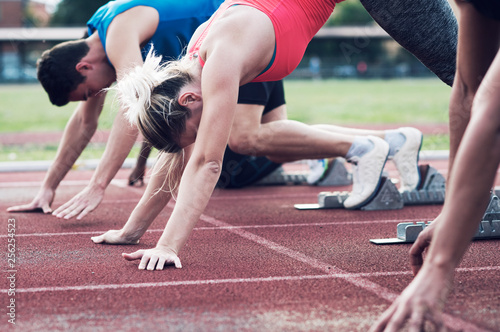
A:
(288, 140)
(242, 170)
(350, 131)
(477, 53)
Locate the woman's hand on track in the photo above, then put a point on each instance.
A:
(154, 259)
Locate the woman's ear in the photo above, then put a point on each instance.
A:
(189, 97)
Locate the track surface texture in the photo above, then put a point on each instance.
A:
(253, 263)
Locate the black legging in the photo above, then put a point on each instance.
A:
(428, 29)
(239, 170)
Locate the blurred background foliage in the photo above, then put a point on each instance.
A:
(77, 12)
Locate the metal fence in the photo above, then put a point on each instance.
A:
(342, 52)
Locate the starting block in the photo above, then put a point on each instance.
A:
(386, 198)
(430, 191)
(489, 228)
(337, 175)
(280, 178)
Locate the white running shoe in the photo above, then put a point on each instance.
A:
(317, 170)
(367, 172)
(406, 159)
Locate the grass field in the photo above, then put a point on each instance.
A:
(26, 108)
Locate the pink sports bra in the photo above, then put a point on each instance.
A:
(295, 24)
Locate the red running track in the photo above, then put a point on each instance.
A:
(253, 263)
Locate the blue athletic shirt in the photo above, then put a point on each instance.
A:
(178, 21)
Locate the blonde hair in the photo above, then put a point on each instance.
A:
(173, 168)
(150, 94)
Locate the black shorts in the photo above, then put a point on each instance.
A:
(268, 94)
(488, 8)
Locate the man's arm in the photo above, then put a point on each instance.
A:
(77, 134)
(125, 35)
(119, 144)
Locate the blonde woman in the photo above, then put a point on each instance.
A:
(194, 100)
(265, 98)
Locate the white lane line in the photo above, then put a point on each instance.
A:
(120, 183)
(298, 256)
(39, 183)
(123, 183)
(188, 283)
(356, 280)
(317, 224)
(229, 281)
(359, 280)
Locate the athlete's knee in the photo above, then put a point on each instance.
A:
(278, 160)
(243, 142)
(464, 91)
(460, 3)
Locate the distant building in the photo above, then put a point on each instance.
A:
(11, 13)
(37, 12)
(17, 58)
(21, 13)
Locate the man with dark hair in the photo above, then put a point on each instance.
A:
(57, 70)
(120, 34)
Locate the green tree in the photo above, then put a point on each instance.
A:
(75, 12)
(349, 12)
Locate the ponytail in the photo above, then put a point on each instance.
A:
(173, 167)
(150, 94)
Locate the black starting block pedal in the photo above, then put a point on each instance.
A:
(280, 178)
(430, 191)
(337, 175)
(489, 228)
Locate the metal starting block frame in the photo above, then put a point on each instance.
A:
(337, 175)
(430, 191)
(280, 178)
(489, 228)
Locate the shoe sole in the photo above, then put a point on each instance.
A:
(372, 195)
(366, 201)
(418, 158)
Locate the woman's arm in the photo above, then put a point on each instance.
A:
(203, 168)
(154, 199)
(234, 54)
